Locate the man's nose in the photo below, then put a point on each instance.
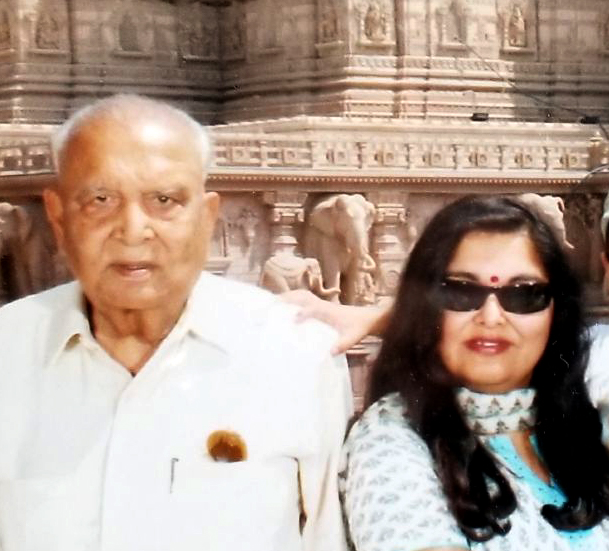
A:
(135, 224)
(490, 313)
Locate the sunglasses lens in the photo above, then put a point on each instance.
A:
(461, 296)
(466, 296)
(525, 298)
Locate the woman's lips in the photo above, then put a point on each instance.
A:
(486, 345)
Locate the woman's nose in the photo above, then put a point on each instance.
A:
(491, 312)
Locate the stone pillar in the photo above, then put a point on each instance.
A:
(287, 211)
(387, 247)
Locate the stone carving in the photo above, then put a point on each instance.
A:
(5, 30)
(248, 221)
(31, 264)
(286, 272)
(47, 36)
(375, 22)
(337, 234)
(454, 24)
(269, 24)
(328, 21)
(128, 35)
(517, 32)
(606, 34)
(234, 32)
(199, 34)
(551, 210)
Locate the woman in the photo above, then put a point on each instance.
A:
(479, 433)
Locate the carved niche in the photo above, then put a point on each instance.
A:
(453, 20)
(269, 21)
(132, 31)
(327, 21)
(242, 235)
(5, 27)
(233, 35)
(375, 21)
(605, 34)
(128, 39)
(48, 31)
(198, 35)
(516, 20)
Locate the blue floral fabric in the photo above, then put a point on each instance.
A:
(393, 500)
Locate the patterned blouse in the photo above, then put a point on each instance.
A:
(393, 500)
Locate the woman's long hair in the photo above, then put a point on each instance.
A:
(568, 427)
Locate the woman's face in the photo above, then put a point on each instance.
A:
(491, 349)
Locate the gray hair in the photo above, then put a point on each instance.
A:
(128, 108)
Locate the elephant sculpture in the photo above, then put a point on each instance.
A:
(27, 263)
(337, 234)
(286, 272)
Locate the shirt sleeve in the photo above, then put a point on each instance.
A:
(392, 497)
(324, 528)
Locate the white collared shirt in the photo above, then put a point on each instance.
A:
(93, 459)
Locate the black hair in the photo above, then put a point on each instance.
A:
(409, 362)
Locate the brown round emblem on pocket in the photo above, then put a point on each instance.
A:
(224, 445)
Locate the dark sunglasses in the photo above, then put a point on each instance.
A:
(522, 298)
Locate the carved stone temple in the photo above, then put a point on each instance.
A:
(399, 106)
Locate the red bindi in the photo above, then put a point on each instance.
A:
(494, 279)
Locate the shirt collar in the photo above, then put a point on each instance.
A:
(68, 321)
(207, 315)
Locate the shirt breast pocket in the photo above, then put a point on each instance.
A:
(217, 501)
(34, 513)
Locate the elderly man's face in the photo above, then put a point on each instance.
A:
(132, 215)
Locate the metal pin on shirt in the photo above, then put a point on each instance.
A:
(172, 473)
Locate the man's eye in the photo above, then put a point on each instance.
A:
(101, 198)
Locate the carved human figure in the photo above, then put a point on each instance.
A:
(365, 288)
(517, 32)
(337, 234)
(127, 34)
(375, 22)
(328, 25)
(30, 265)
(5, 30)
(454, 23)
(248, 221)
(286, 272)
(47, 32)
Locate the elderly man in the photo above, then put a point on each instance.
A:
(148, 405)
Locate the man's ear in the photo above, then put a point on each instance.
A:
(211, 201)
(54, 210)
